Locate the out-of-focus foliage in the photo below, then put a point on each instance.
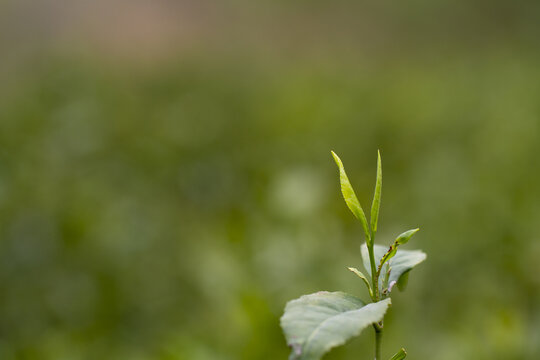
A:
(163, 197)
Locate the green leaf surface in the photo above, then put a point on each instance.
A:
(350, 197)
(402, 262)
(315, 323)
(400, 355)
(376, 204)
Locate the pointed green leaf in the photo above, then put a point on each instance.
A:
(315, 323)
(363, 277)
(404, 238)
(376, 204)
(350, 197)
(400, 355)
(403, 261)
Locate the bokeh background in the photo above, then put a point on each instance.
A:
(166, 183)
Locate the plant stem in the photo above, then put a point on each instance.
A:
(378, 343)
(374, 281)
(374, 278)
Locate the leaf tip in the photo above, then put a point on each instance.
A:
(336, 159)
(400, 355)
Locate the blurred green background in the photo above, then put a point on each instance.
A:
(166, 183)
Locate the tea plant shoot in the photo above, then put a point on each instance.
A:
(315, 323)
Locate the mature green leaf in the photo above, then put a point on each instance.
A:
(402, 262)
(315, 323)
(404, 237)
(350, 197)
(400, 355)
(376, 204)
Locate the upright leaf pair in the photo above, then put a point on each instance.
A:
(352, 201)
(350, 197)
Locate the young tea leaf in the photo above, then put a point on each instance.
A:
(400, 355)
(403, 261)
(400, 240)
(364, 279)
(389, 254)
(315, 323)
(376, 204)
(350, 197)
(404, 237)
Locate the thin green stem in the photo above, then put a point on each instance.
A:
(374, 281)
(374, 273)
(378, 343)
